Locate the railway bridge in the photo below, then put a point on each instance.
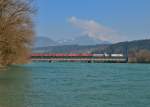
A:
(89, 58)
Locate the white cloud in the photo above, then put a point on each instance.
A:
(94, 29)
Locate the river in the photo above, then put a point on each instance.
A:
(75, 85)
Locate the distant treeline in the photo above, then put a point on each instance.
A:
(132, 47)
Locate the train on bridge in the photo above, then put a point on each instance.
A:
(84, 57)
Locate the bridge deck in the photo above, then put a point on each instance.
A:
(82, 59)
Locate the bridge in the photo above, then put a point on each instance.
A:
(89, 58)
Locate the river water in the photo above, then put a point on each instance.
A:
(75, 85)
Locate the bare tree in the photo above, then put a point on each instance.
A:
(16, 30)
(143, 56)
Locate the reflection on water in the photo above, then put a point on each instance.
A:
(14, 84)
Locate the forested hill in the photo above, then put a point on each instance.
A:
(132, 46)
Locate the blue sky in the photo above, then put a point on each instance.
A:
(112, 20)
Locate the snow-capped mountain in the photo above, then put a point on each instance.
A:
(82, 40)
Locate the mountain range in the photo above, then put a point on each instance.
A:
(81, 40)
(43, 42)
(131, 46)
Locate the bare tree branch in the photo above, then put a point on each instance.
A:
(16, 30)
